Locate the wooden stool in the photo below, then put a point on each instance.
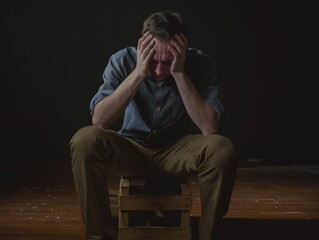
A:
(146, 212)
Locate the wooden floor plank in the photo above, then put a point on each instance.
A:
(38, 200)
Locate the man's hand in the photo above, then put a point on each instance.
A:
(178, 49)
(145, 52)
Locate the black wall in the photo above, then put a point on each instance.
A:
(53, 56)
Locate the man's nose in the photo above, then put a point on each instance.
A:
(159, 69)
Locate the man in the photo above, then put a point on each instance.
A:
(168, 95)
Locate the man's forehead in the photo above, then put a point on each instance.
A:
(162, 50)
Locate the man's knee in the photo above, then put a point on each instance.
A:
(88, 140)
(220, 151)
(84, 137)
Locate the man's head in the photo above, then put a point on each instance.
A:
(165, 24)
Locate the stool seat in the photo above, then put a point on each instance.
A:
(154, 208)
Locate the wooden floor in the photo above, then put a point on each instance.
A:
(38, 201)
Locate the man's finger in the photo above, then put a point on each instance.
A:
(180, 40)
(145, 35)
(148, 48)
(145, 42)
(150, 55)
(177, 46)
(173, 51)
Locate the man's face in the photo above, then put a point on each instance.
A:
(162, 60)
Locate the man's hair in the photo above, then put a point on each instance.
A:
(165, 24)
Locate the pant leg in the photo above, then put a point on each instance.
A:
(94, 151)
(214, 159)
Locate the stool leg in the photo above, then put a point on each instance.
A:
(124, 191)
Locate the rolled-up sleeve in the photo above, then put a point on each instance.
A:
(209, 85)
(113, 75)
(213, 101)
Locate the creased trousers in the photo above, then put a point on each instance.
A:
(96, 151)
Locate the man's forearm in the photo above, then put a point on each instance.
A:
(202, 114)
(111, 108)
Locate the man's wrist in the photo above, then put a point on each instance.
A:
(178, 75)
(139, 75)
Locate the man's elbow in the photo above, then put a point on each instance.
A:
(97, 122)
(210, 130)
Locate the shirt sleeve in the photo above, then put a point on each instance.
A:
(213, 101)
(115, 72)
(207, 82)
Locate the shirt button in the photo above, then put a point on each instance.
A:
(154, 131)
(158, 109)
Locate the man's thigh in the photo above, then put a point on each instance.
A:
(130, 158)
(119, 154)
(184, 155)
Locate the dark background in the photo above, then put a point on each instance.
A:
(53, 56)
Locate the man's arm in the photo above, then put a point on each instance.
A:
(201, 113)
(111, 107)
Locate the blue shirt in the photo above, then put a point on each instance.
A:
(156, 115)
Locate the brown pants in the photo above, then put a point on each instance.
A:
(95, 150)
